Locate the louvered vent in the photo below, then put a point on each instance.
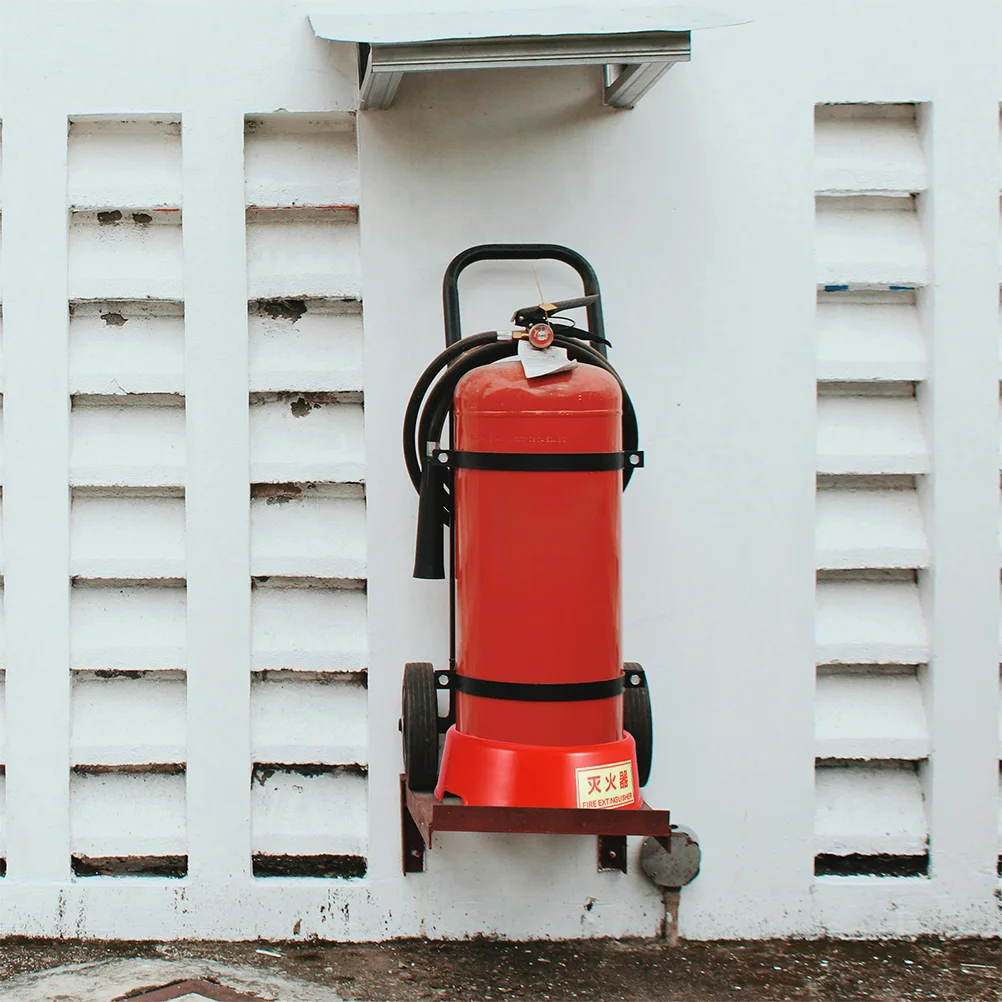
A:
(308, 555)
(127, 459)
(872, 737)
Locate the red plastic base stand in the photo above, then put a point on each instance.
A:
(482, 772)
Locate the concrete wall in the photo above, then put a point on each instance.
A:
(207, 553)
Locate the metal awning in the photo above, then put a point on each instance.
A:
(635, 46)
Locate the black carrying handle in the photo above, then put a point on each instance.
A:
(518, 252)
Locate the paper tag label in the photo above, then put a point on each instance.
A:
(543, 361)
(606, 786)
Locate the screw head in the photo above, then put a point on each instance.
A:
(443, 680)
(634, 459)
(443, 458)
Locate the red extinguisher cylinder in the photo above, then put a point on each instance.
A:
(537, 554)
(537, 558)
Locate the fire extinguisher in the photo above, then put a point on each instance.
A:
(542, 440)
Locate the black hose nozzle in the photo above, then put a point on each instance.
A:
(429, 558)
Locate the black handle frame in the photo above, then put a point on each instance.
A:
(454, 332)
(519, 252)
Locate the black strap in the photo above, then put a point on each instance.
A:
(538, 462)
(537, 692)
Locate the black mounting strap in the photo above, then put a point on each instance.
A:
(538, 462)
(531, 692)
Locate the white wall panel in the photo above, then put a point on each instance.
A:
(308, 530)
(871, 715)
(132, 346)
(127, 814)
(134, 441)
(307, 812)
(303, 253)
(870, 622)
(308, 628)
(297, 437)
(715, 182)
(127, 626)
(116, 254)
(870, 809)
(120, 164)
(133, 719)
(136, 534)
(308, 717)
(311, 344)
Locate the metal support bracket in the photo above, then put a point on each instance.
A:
(632, 62)
(422, 815)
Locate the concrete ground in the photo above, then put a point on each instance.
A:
(583, 971)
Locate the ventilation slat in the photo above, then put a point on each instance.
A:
(307, 812)
(870, 622)
(870, 435)
(869, 242)
(305, 344)
(308, 629)
(871, 809)
(127, 627)
(862, 337)
(858, 529)
(127, 814)
(305, 533)
(870, 716)
(126, 347)
(127, 443)
(125, 254)
(123, 164)
(303, 254)
(127, 721)
(297, 160)
(331, 725)
(295, 438)
(126, 537)
(868, 149)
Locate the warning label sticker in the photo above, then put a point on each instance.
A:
(606, 786)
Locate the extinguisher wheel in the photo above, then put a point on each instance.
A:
(420, 726)
(638, 721)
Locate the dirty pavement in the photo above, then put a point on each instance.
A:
(583, 971)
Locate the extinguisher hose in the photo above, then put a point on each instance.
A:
(425, 416)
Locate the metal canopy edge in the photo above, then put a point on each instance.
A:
(634, 45)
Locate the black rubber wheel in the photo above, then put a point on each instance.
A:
(638, 721)
(420, 726)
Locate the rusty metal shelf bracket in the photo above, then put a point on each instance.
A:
(422, 815)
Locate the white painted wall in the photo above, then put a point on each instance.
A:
(195, 489)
